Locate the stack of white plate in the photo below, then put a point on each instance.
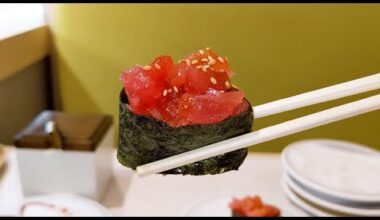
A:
(332, 178)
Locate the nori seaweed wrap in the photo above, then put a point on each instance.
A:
(145, 139)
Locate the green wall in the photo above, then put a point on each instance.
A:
(278, 50)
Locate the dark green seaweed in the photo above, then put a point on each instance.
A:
(144, 139)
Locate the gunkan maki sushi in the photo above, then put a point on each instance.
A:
(168, 108)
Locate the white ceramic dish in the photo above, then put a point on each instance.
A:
(338, 169)
(328, 204)
(307, 207)
(218, 206)
(75, 205)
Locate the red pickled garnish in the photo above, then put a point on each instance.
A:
(252, 206)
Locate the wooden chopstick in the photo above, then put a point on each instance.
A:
(266, 134)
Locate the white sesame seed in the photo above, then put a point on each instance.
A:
(221, 59)
(157, 66)
(170, 90)
(213, 80)
(205, 67)
(199, 67)
(194, 62)
(207, 48)
(201, 52)
(211, 60)
(179, 61)
(227, 84)
(187, 62)
(165, 92)
(204, 59)
(234, 86)
(147, 68)
(179, 73)
(175, 88)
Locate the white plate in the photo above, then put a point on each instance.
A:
(218, 206)
(76, 205)
(307, 207)
(339, 169)
(344, 208)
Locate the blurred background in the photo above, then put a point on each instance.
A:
(69, 56)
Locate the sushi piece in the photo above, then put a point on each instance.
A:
(169, 108)
(252, 206)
